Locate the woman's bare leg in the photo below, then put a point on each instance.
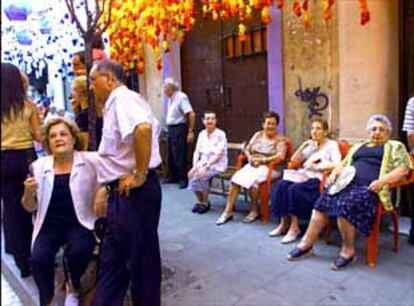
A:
(199, 196)
(348, 233)
(204, 197)
(317, 223)
(231, 199)
(253, 193)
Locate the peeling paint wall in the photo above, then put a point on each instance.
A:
(310, 59)
(369, 55)
(151, 84)
(310, 62)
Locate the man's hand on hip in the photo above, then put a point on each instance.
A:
(128, 182)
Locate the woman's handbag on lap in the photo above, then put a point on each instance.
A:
(344, 179)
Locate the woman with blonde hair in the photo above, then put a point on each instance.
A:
(80, 108)
(62, 190)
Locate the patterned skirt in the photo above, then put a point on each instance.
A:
(355, 203)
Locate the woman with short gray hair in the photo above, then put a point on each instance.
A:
(378, 162)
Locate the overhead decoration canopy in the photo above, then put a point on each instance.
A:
(157, 23)
(32, 34)
(153, 22)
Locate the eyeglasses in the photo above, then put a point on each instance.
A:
(379, 129)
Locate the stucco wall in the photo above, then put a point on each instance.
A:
(311, 58)
(151, 84)
(368, 61)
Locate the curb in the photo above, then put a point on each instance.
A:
(19, 285)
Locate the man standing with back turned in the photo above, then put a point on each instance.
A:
(129, 151)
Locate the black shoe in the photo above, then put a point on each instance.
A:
(169, 180)
(204, 208)
(25, 272)
(411, 238)
(183, 184)
(297, 253)
(196, 207)
(340, 263)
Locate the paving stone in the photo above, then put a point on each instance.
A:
(238, 264)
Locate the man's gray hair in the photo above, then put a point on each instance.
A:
(381, 118)
(171, 82)
(112, 66)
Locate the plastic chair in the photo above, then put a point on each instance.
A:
(372, 240)
(264, 188)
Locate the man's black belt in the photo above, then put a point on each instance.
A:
(176, 125)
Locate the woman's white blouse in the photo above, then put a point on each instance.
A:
(83, 184)
(329, 153)
(208, 146)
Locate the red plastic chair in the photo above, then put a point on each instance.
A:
(293, 164)
(372, 240)
(264, 188)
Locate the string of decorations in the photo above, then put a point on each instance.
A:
(158, 22)
(155, 23)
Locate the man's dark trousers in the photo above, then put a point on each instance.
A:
(130, 250)
(177, 151)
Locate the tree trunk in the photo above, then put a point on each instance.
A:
(91, 99)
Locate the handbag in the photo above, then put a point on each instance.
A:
(344, 179)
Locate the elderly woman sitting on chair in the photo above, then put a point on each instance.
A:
(293, 199)
(265, 146)
(210, 158)
(62, 189)
(377, 162)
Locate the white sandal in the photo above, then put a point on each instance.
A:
(224, 218)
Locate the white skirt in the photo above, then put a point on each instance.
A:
(250, 176)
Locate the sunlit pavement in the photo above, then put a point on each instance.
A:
(8, 296)
(238, 264)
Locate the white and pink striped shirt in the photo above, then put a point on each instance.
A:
(123, 111)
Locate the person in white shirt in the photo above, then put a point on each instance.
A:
(180, 131)
(408, 127)
(209, 159)
(62, 189)
(129, 155)
(292, 201)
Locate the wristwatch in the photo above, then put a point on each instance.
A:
(139, 175)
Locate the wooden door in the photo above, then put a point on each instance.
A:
(222, 74)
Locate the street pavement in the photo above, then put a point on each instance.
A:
(8, 295)
(238, 264)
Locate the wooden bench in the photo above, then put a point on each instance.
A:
(233, 152)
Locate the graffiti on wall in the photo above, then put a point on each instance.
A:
(316, 101)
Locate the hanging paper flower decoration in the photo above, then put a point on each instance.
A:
(24, 38)
(241, 9)
(152, 22)
(47, 35)
(18, 10)
(297, 8)
(306, 15)
(156, 23)
(365, 15)
(327, 9)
